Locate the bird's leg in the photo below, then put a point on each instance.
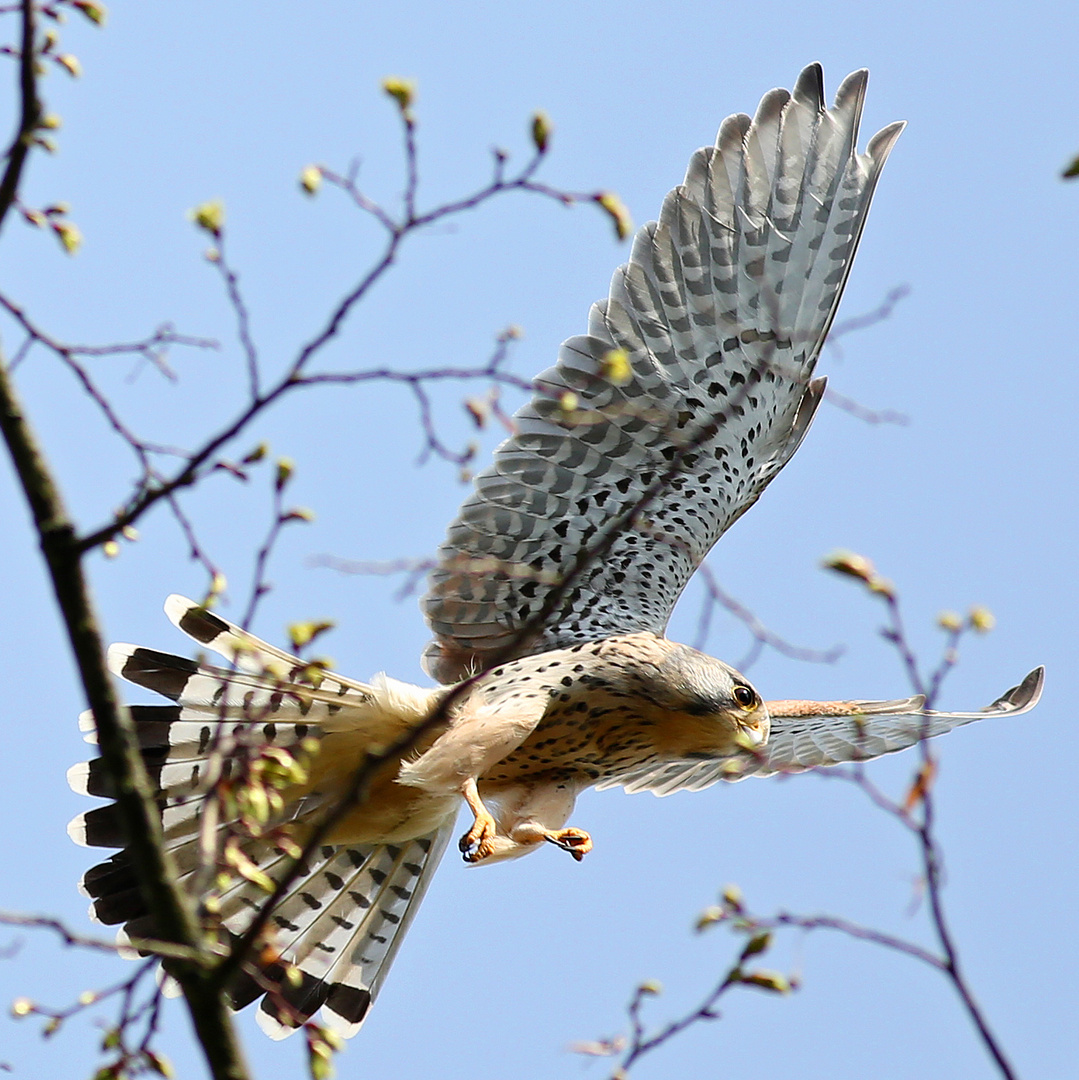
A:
(576, 841)
(478, 842)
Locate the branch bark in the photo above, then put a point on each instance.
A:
(29, 113)
(154, 868)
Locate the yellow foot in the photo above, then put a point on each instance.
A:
(576, 841)
(478, 842)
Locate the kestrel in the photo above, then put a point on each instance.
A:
(648, 439)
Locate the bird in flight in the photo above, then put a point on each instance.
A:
(652, 434)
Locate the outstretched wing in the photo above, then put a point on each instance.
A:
(816, 734)
(343, 919)
(720, 313)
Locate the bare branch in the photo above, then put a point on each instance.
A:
(415, 570)
(195, 548)
(862, 322)
(860, 412)
(118, 744)
(850, 929)
(29, 112)
(243, 316)
(164, 949)
(279, 519)
(639, 1043)
(920, 796)
(761, 634)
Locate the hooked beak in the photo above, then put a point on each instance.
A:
(753, 730)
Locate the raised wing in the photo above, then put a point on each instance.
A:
(720, 315)
(816, 734)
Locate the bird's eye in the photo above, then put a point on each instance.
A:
(745, 697)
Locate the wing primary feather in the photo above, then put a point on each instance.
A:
(813, 735)
(721, 311)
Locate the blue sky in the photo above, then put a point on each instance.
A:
(972, 502)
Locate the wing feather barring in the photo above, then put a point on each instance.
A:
(650, 436)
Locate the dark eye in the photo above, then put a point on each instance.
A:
(745, 697)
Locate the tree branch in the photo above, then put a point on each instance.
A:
(163, 949)
(29, 113)
(920, 793)
(153, 866)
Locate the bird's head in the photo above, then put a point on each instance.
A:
(723, 710)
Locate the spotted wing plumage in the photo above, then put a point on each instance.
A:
(343, 919)
(721, 314)
(806, 737)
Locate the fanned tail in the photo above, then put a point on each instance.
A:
(335, 932)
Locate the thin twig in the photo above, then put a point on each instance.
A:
(860, 412)
(862, 322)
(640, 1044)
(921, 796)
(415, 570)
(164, 949)
(852, 930)
(243, 317)
(761, 634)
